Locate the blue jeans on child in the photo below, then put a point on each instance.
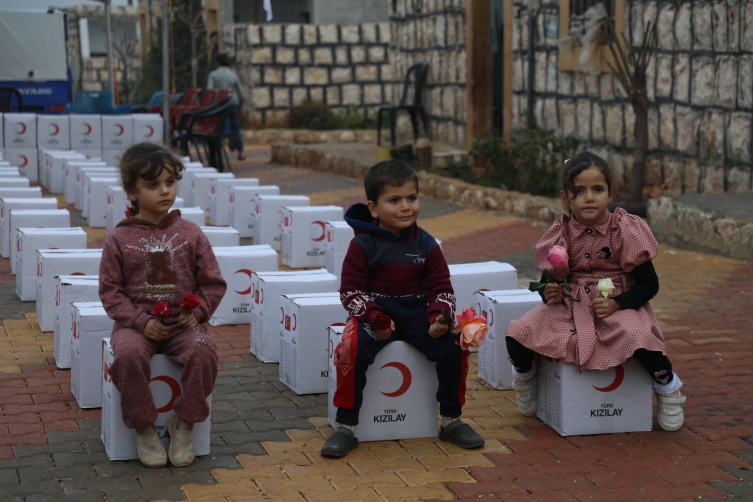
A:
(232, 125)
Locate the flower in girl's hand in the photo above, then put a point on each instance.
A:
(189, 303)
(161, 309)
(471, 328)
(381, 322)
(605, 287)
(557, 257)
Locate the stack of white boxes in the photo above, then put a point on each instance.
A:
(147, 127)
(337, 241)
(52, 263)
(34, 218)
(201, 186)
(469, 278)
(268, 219)
(70, 173)
(20, 133)
(10, 182)
(120, 443)
(221, 236)
(92, 325)
(30, 192)
(97, 195)
(9, 203)
(241, 209)
(117, 135)
(499, 308)
(399, 400)
(219, 196)
(70, 289)
(81, 172)
(266, 288)
(303, 339)
(303, 239)
(237, 265)
(30, 240)
(194, 215)
(185, 185)
(53, 132)
(52, 170)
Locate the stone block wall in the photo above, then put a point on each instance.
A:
(700, 86)
(287, 64)
(432, 31)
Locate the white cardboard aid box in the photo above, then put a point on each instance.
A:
(19, 193)
(241, 208)
(92, 325)
(34, 218)
(185, 185)
(86, 190)
(399, 400)
(68, 290)
(7, 170)
(303, 235)
(201, 185)
(54, 174)
(237, 265)
(28, 242)
(119, 441)
(80, 174)
(26, 162)
(194, 215)
(267, 217)
(20, 131)
(499, 308)
(86, 132)
(219, 196)
(45, 162)
(98, 200)
(337, 241)
(53, 262)
(303, 339)
(19, 182)
(117, 132)
(266, 288)
(53, 131)
(615, 400)
(147, 127)
(112, 157)
(467, 278)
(222, 236)
(69, 176)
(7, 204)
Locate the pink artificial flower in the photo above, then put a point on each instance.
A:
(557, 257)
(471, 328)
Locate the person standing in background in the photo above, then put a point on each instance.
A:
(225, 78)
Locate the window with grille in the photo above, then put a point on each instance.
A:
(579, 7)
(572, 21)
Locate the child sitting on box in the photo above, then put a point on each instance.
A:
(581, 326)
(395, 283)
(154, 257)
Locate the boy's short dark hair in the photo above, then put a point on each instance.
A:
(223, 59)
(387, 173)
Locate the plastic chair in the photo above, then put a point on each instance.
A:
(6, 97)
(420, 70)
(93, 103)
(211, 139)
(206, 100)
(155, 104)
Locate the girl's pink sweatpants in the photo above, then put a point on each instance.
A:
(192, 348)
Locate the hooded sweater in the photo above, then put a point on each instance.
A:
(404, 276)
(144, 264)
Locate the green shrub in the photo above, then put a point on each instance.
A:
(317, 116)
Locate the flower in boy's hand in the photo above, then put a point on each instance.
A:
(189, 302)
(162, 309)
(471, 328)
(557, 257)
(381, 322)
(605, 287)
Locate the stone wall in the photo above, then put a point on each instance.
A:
(432, 31)
(700, 86)
(339, 65)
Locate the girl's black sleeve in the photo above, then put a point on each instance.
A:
(645, 288)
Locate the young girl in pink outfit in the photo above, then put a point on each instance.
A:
(579, 326)
(153, 257)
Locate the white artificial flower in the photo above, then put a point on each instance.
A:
(605, 287)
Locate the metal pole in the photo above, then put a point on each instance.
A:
(110, 67)
(166, 69)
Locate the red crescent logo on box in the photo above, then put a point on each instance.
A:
(193, 183)
(75, 330)
(109, 198)
(39, 268)
(257, 208)
(287, 322)
(151, 131)
(75, 273)
(57, 296)
(174, 391)
(321, 237)
(25, 162)
(282, 319)
(330, 236)
(256, 296)
(22, 128)
(213, 188)
(106, 376)
(88, 129)
(120, 129)
(19, 245)
(248, 273)
(232, 197)
(619, 376)
(57, 129)
(407, 379)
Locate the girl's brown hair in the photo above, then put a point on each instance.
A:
(147, 160)
(577, 165)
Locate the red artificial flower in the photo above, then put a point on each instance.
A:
(128, 213)
(381, 322)
(189, 302)
(162, 309)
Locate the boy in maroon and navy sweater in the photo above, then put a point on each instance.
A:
(395, 283)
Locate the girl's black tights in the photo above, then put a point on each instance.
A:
(656, 363)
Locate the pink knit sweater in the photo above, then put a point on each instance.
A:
(144, 264)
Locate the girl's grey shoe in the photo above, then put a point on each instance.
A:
(461, 434)
(340, 443)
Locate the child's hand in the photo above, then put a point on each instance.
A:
(438, 329)
(604, 307)
(155, 331)
(187, 320)
(385, 334)
(552, 293)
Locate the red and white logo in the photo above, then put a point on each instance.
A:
(55, 129)
(76, 330)
(287, 322)
(109, 199)
(619, 376)
(316, 231)
(39, 268)
(287, 220)
(407, 379)
(120, 130)
(175, 391)
(232, 197)
(213, 187)
(24, 160)
(330, 236)
(259, 296)
(106, 375)
(57, 296)
(20, 128)
(151, 131)
(248, 273)
(87, 129)
(19, 245)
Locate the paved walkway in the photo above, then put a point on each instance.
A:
(265, 439)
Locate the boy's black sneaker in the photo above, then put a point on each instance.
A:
(461, 434)
(340, 443)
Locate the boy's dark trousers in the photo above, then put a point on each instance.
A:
(360, 349)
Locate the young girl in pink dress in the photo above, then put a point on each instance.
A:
(153, 257)
(579, 326)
